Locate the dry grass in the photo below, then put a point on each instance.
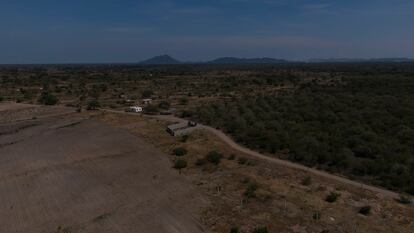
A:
(281, 202)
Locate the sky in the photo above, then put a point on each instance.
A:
(102, 31)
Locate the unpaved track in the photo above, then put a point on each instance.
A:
(81, 175)
(229, 141)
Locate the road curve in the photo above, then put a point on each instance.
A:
(229, 141)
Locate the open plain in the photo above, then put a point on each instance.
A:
(67, 173)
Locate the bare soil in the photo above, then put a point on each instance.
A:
(282, 202)
(68, 173)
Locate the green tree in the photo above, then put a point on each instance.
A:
(214, 157)
(180, 164)
(180, 151)
(47, 98)
(93, 105)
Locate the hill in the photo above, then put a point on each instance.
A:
(235, 60)
(161, 60)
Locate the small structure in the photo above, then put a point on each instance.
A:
(135, 109)
(180, 129)
(147, 101)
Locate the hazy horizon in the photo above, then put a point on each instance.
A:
(128, 31)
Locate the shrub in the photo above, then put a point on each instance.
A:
(251, 189)
(180, 164)
(147, 93)
(164, 105)
(232, 157)
(214, 157)
(184, 101)
(48, 99)
(151, 109)
(93, 105)
(180, 151)
(307, 181)
(234, 230)
(184, 138)
(317, 215)
(242, 160)
(1, 98)
(200, 162)
(332, 197)
(260, 230)
(365, 210)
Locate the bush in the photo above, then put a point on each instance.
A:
(317, 215)
(184, 101)
(1, 98)
(180, 164)
(48, 99)
(365, 210)
(232, 157)
(242, 160)
(234, 230)
(251, 189)
(93, 105)
(180, 151)
(200, 162)
(147, 93)
(214, 157)
(164, 105)
(260, 230)
(151, 109)
(184, 138)
(332, 197)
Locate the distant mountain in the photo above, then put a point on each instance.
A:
(161, 60)
(353, 60)
(235, 60)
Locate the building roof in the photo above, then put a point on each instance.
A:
(178, 126)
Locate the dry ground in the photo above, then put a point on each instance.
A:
(281, 203)
(69, 173)
(108, 172)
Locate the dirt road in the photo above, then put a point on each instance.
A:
(229, 141)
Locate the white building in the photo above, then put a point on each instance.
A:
(135, 109)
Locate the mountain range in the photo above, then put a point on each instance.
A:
(168, 60)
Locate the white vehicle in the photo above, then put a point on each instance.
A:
(135, 109)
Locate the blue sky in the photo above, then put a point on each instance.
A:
(76, 31)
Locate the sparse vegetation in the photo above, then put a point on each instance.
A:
(180, 151)
(365, 210)
(307, 181)
(242, 160)
(151, 109)
(317, 215)
(48, 99)
(332, 197)
(180, 164)
(251, 188)
(184, 138)
(93, 105)
(234, 230)
(232, 157)
(200, 162)
(214, 157)
(260, 230)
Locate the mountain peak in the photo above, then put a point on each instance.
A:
(161, 60)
